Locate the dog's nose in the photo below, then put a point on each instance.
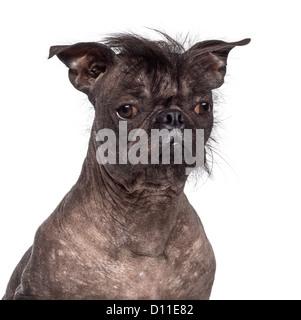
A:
(171, 119)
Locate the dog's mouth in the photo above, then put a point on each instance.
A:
(176, 147)
(166, 143)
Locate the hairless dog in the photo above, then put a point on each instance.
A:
(126, 229)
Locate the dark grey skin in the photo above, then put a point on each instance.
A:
(128, 231)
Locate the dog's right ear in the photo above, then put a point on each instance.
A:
(210, 58)
(87, 61)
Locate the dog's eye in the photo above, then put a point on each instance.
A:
(127, 111)
(202, 108)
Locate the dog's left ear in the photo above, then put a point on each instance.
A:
(87, 61)
(211, 58)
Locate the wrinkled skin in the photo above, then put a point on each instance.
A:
(128, 231)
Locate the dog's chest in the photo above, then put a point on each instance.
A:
(161, 278)
(88, 275)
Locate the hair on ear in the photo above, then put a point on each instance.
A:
(86, 62)
(210, 58)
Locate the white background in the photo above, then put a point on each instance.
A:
(251, 207)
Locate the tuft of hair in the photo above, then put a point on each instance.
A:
(156, 54)
(200, 175)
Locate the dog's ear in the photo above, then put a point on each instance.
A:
(87, 61)
(211, 58)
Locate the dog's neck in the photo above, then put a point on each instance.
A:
(141, 218)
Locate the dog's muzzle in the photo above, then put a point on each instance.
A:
(170, 119)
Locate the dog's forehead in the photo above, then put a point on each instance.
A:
(134, 77)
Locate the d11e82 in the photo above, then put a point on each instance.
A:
(172, 309)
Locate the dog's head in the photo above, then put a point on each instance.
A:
(148, 85)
